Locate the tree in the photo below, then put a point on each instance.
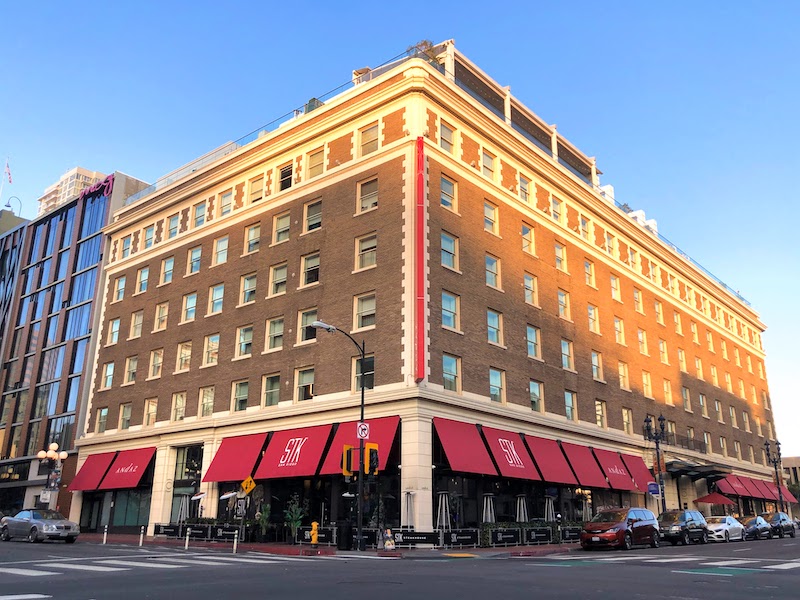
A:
(293, 514)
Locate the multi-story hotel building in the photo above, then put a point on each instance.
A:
(519, 325)
(69, 185)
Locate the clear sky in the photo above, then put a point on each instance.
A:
(690, 107)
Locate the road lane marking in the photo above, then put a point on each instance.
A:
(98, 568)
(671, 560)
(784, 566)
(252, 561)
(134, 563)
(24, 597)
(26, 572)
(730, 563)
(275, 557)
(705, 573)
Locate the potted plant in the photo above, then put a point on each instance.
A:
(262, 520)
(294, 513)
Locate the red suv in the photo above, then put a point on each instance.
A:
(621, 528)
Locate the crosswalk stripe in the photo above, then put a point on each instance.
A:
(133, 563)
(24, 597)
(197, 562)
(618, 558)
(252, 561)
(671, 560)
(26, 572)
(98, 568)
(784, 566)
(729, 563)
(276, 557)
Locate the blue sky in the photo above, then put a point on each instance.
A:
(689, 107)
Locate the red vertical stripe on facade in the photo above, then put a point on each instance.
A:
(419, 263)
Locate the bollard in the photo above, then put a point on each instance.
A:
(314, 534)
(105, 533)
(188, 533)
(235, 542)
(141, 536)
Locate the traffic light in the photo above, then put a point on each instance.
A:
(371, 460)
(347, 461)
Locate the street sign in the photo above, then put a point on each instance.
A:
(652, 488)
(362, 430)
(248, 485)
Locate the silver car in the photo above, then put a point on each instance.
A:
(37, 525)
(724, 529)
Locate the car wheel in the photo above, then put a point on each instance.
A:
(4, 534)
(685, 539)
(727, 537)
(792, 533)
(704, 538)
(769, 535)
(655, 541)
(33, 535)
(71, 540)
(780, 533)
(627, 542)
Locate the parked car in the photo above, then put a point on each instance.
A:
(620, 528)
(724, 529)
(756, 528)
(683, 526)
(780, 522)
(37, 525)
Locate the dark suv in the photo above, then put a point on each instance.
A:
(780, 523)
(683, 526)
(620, 528)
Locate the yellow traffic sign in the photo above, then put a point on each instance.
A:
(248, 485)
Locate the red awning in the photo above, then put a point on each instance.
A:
(773, 489)
(550, 460)
(715, 498)
(127, 469)
(752, 489)
(294, 452)
(639, 471)
(92, 471)
(382, 431)
(766, 494)
(725, 487)
(738, 488)
(236, 457)
(584, 465)
(510, 454)
(615, 470)
(787, 495)
(464, 447)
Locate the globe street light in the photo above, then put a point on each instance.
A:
(360, 501)
(775, 459)
(657, 436)
(51, 458)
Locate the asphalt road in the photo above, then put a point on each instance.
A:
(85, 571)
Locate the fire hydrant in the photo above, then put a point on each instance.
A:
(314, 534)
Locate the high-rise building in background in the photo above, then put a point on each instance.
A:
(519, 325)
(72, 183)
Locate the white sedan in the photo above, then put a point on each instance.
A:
(724, 529)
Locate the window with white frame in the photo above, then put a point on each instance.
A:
(451, 373)
(284, 177)
(102, 419)
(616, 291)
(156, 363)
(556, 209)
(368, 139)
(189, 309)
(451, 311)
(365, 370)
(184, 356)
(167, 269)
(271, 384)
(663, 352)
(567, 356)
(698, 365)
(280, 227)
(150, 412)
(241, 389)
(194, 257)
(732, 413)
(142, 277)
(125, 411)
(678, 323)
(624, 380)
(225, 203)
(119, 288)
(667, 387)
(597, 366)
(695, 334)
(313, 216)
(703, 402)
(561, 257)
(446, 137)
(316, 163)
(149, 236)
(252, 238)
(173, 224)
(449, 257)
(588, 271)
(737, 449)
(594, 318)
(206, 399)
(178, 406)
(718, 410)
(490, 218)
(723, 445)
(244, 344)
(221, 250)
(365, 311)
(533, 339)
(524, 189)
(600, 417)
(724, 346)
(641, 336)
(710, 341)
(746, 421)
(627, 420)
(619, 331)
(367, 195)
(305, 332)
(647, 384)
(659, 312)
(530, 286)
(584, 224)
(494, 326)
(528, 240)
(682, 360)
(448, 194)
(563, 305)
(216, 295)
(113, 332)
(126, 246)
(638, 305)
(131, 364)
(492, 266)
(277, 279)
(536, 393)
(137, 319)
(247, 288)
(687, 399)
(736, 356)
(487, 164)
(108, 375)
(749, 363)
(610, 242)
(305, 383)
(256, 189)
(571, 405)
(275, 333)
(199, 214)
(310, 267)
(497, 387)
(728, 384)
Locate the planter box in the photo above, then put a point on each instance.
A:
(461, 538)
(505, 537)
(538, 535)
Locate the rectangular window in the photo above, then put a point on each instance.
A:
(199, 214)
(149, 234)
(709, 341)
(571, 405)
(659, 313)
(728, 384)
(162, 314)
(492, 266)
(206, 407)
(584, 227)
(637, 300)
(682, 360)
(588, 270)
(647, 384)
(167, 268)
(536, 392)
(749, 364)
(310, 269)
(624, 381)
(533, 340)
(136, 324)
(369, 139)
(156, 362)
(271, 384)
(221, 250)
(184, 356)
(142, 276)
(563, 305)
(126, 246)
(556, 209)
(714, 376)
(172, 226)
(189, 307)
(195, 254)
(306, 332)
(528, 240)
(108, 375)
(701, 400)
(313, 216)
(530, 286)
(497, 386)
(524, 189)
(365, 371)
(698, 365)
(451, 373)
(641, 336)
(448, 194)
(678, 324)
(667, 392)
(367, 195)
(280, 226)
(216, 295)
(490, 218)
(284, 177)
(600, 414)
(365, 311)
(627, 421)
(494, 324)
(594, 318)
(449, 255)
(256, 189)
(150, 412)
(619, 330)
(316, 163)
(275, 333)
(446, 137)
(695, 335)
(247, 292)
(597, 366)
(746, 421)
(277, 279)
(113, 331)
(131, 364)
(240, 393)
(567, 357)
(487, 164)
(687, 399)
(561, 257)
(178, 406)
(125, 411)
(723, 446)
(102, 420)
(737, 448)
(119, 288)
(244, 345)
(718, 410)
(609, 244)
(663, 353)
(225, 203)
(305, 383)
(252, 238)
(450, 311)
(732, 413)
(616, 291)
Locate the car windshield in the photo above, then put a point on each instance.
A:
(612, 516)
(670, 517)
(47, 515)
(753, 521)
(715, 520)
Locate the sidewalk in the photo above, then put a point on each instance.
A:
(307, 550)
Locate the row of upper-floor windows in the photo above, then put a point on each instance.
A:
(59, 430)
(617, 247)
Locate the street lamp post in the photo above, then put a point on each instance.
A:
(51, 457)
(657, 436)
(8, 204)
(360, 500)
(775, 459)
